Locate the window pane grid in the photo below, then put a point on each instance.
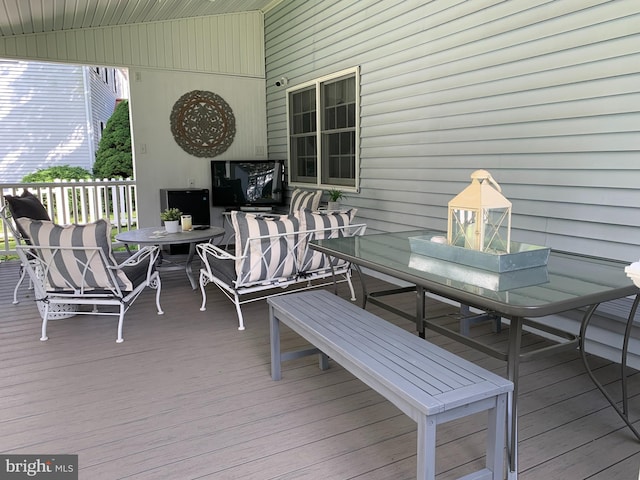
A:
(304, 151)
(336, 117)
(303, 115)
(339, 104)
(339, 159)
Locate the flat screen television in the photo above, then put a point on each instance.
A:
(247, 183)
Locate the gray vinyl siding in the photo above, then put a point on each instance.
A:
(543, 94)
(43, 119)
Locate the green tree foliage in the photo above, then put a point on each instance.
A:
(64, 172)
(114, 158)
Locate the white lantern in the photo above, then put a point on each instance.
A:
(480, 216)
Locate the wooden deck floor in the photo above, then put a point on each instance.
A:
(188, 396)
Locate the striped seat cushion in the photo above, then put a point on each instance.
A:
(68, 266)
(266, 258)
(311, 260)
(304, 199)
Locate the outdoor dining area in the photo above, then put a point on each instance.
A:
(189, 396)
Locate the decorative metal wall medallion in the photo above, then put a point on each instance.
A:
(203, 124)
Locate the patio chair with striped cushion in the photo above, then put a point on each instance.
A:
(74, 264)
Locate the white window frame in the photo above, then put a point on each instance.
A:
(317, 83)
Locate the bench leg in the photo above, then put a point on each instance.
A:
(323, 361)
(426, 449)
(274, 327)
(496, 435)
(276, 354)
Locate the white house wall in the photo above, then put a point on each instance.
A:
(43, 118)
(159, 160)
(544, 94)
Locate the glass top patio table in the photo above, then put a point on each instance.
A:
(568, 280)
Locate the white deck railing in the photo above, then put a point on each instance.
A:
(80, 201)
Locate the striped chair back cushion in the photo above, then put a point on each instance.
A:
(304, 199)
(73, 269)
(311, 260)
(266, 257)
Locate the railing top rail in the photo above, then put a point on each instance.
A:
(67, 183)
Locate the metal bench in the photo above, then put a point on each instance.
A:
(427, 383)
(270, 263)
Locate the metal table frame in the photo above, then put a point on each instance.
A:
(390, 254)
(155, 236)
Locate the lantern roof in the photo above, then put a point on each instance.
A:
(483, 192)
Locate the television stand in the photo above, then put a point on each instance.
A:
(256, 208)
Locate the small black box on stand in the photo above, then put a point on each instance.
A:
(190, 201)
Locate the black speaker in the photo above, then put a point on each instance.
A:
(190, 201)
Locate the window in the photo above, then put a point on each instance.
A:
(116, 82)
(323, 142)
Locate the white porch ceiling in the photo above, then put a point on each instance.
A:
(21, 17)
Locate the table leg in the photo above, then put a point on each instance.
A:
(187, 266)
(513, 366)
(420, 311)
(624, 412)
